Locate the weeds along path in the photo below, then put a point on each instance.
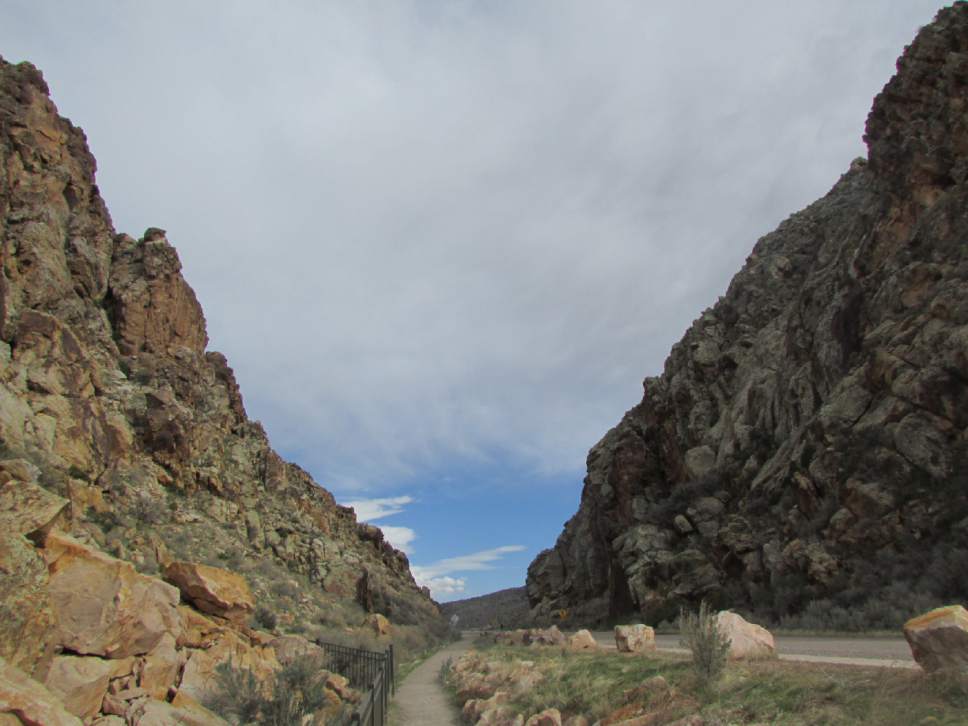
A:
(421, 699)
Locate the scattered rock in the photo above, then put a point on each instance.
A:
(939, 639)
(747, 641)
(634, 638)
(29, 701)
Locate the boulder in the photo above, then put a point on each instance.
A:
(158, 670)
(292, 647)
(212, 589)
(548, 717)
(634, 638)
(30, 702)
(197, 631)
(159, 713)
(199, 676)
(582, 640)
(747, 641)
(81, 682)
(379, 624)
(103, 606)
(30, 510)
(939, 639)
(548, 636)
(27, 635)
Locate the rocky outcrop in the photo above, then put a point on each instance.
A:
(125, 449)
(806, 441)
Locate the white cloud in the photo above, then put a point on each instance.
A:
(369, 509)
(441, 587)
(399, 537)
(483, 560)
(424, 232)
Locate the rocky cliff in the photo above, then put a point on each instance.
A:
(804, 452)
(110, 403)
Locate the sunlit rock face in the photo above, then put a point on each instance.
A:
(125, 447)
(806, 440)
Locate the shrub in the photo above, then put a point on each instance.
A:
(296, 691)
(265, 618)
(709, 647)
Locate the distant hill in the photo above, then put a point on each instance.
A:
(504, 608)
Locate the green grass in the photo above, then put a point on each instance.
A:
(602, 686)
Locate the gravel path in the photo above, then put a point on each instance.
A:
(420, 699)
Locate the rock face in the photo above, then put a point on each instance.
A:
(939, 639)
(806, 441)
(125, 449)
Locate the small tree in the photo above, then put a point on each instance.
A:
(700, 634)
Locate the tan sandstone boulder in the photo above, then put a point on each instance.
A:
(547, 636)
(378, 624)
(149, 712)
(30, 702)
(747, 640)
(212, 589)
(582, 640)
(289, 648)
(199, 674)
(634, 638)
(158, 670)
(548, 717)
(81, 682)
(103, 606)
(939, 639)
(27, 637)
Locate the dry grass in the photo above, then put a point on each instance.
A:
(607, 686)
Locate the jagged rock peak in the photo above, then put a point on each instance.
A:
(125, 447)
(802, 453)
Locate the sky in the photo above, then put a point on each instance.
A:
(442, 243)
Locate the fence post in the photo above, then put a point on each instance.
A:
(393, 670)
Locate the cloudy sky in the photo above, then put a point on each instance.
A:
(441, 243)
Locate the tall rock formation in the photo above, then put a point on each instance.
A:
(806, 441)
(110, 401)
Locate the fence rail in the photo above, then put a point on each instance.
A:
(369, 671)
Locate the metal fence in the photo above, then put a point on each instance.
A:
(369, 671)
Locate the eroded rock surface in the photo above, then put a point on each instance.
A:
(125, 450)
(806, 441)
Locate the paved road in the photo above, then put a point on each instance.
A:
(420, 699)
(889, 652)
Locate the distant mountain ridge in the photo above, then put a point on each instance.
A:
(804, 452)
(502, 609)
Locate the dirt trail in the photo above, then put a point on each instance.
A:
(420, 699)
